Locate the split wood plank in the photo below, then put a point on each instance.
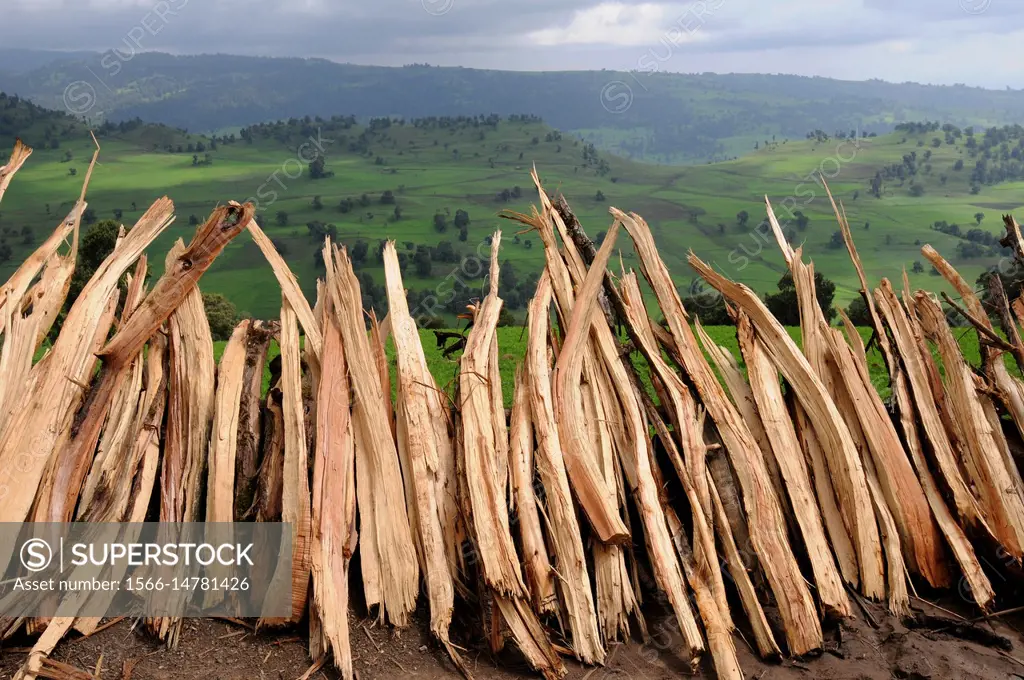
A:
(690, 429)
(1008, 389)
(964, 503)
(828, 424)
(707, 577)
(764, 383)
(988, 475)
(106, 480)
(766, 522)
(567, 543)
(388, 553)
(28, 440)
(598, 501)
(539, 575)
(954, 535)
(497, 553)
(333, 513)
(220, 491)
(18, 157)
(120, 497)
(267, 501)
(191, 389)
(75, 451)
(843, 466)
(743, 398)
(295, 499)
(248, 451)
(417, 436)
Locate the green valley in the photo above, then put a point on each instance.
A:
(437, 185)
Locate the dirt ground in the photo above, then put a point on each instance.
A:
(879, 649)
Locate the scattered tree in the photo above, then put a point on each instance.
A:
(359, 251)
(422, 260)
(858, 312)
(784, 303)
(505, 317)
(318, 169)
(802, 220)
(221, 314)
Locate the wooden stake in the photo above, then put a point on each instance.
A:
(764, 383)
(220, 492)
(567, 544)
(248, 452)
(333, 529)
(844, 467)
(767, 526)
(30, 435)
(417, 437)
(539, 574)
(388, 553)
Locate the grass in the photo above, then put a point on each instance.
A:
(687, 207)
(512, 348)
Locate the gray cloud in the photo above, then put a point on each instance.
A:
(942, 41)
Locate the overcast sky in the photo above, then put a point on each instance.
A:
(977, 42)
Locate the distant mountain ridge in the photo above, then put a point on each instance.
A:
(679, 118)
(18, 61)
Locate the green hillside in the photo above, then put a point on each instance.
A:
(435, 168)
(646, 114)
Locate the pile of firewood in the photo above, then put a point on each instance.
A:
(798, 496)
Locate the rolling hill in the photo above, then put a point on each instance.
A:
(408, 180)
(655, 116)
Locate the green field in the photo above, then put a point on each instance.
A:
(433, 169)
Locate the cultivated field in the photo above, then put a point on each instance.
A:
(434, 170)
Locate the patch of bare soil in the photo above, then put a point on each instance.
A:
(880, 649)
